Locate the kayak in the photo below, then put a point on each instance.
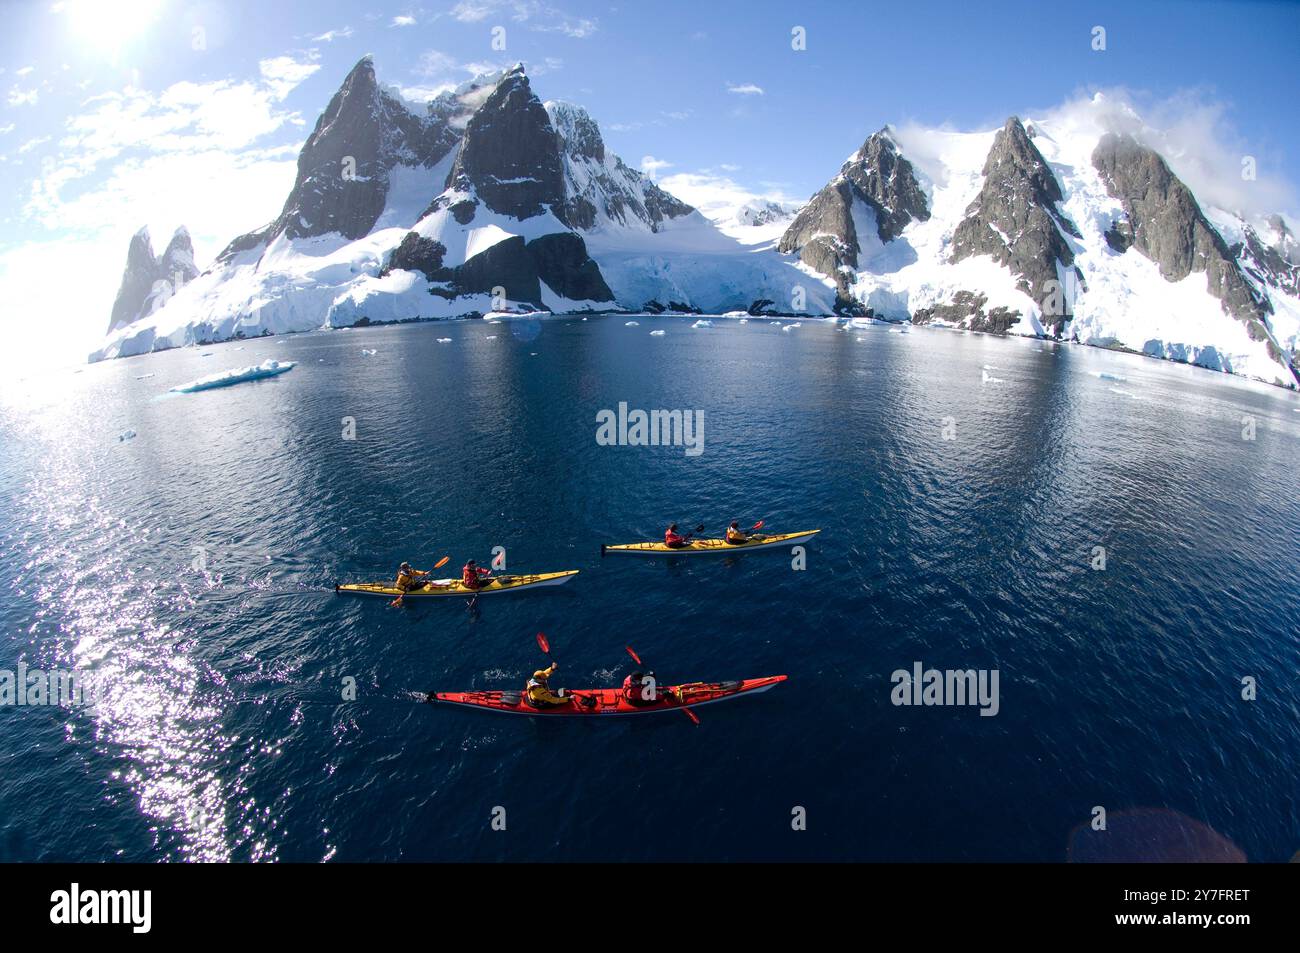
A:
(711, 545)
(454, 587)
(610, 701)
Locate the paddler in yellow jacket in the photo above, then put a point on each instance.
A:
(539, 689)
(408, 578)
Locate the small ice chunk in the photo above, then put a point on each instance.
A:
(658, 334)
(632, 324)
(125, 435)
(703, 323)
(444, 340)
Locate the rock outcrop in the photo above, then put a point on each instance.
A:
(1167, 225)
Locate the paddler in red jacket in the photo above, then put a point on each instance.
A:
(474, 576)
(674, 539)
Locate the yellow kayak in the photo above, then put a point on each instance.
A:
(710, 545)
(454, 587)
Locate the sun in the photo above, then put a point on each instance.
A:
(110, 26)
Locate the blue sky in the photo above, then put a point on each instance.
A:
(164, 112)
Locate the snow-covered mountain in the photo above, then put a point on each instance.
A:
(480, 199)
(1068, 226)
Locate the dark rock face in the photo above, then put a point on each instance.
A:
(823, 232)
(344, 167)
(507, 265)
(1168, 227)
(563, 263)
(967, 309)
(1015, 221)
(560, 260)
(416, 253)
(148, 282)
(510, 154)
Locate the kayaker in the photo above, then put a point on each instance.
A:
(735, 535)
(674, 539)
(539, 689)
(634, 688)
(408, 578)
(474, 576)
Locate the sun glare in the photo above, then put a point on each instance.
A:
(110, 26)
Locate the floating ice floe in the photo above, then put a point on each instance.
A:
(267, 368)
(489, 337)
(658, 334)
(144, 377)
(743, 321)
(369, 350)
(986, 378)
(632, 324)
(791, 327)
(444, 340)
(125, 435)
(1107, 376)
(775, 324)
(703, 323)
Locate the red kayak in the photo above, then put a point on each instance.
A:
(611, 701)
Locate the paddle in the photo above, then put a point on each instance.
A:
(545, 646)
(689, 714)
(698, 529)
(438, 565)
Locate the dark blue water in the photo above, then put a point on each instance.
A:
(223, 734)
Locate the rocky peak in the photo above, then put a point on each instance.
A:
(510, 153)
(578, 132)
(1165, 223)
(148, 281)
(344, 166)
(887, 182)
(876, 177)
(1015, 220)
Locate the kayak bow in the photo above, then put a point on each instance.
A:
(610, 701)
(698, 546)
(454, 587)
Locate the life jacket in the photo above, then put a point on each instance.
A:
(673, 539)
(470, 577)
(406, 580)
(735, 536)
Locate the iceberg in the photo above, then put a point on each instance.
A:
(268, 368)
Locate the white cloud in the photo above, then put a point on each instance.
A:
(31, 144)
(745, 89)
(404, 19)
(539, 16)
(717, 196)
(651, 166)
(329, 36)
(24, 71)
(23, 97)
(6, 129)
(283, 73)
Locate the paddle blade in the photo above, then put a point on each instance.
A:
(441, 562)
(698, 529)
(759, 524)
(542, 644)
(634, 655)
(691, 715)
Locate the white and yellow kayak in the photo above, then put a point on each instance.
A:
(454, 587)
(698, 546)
